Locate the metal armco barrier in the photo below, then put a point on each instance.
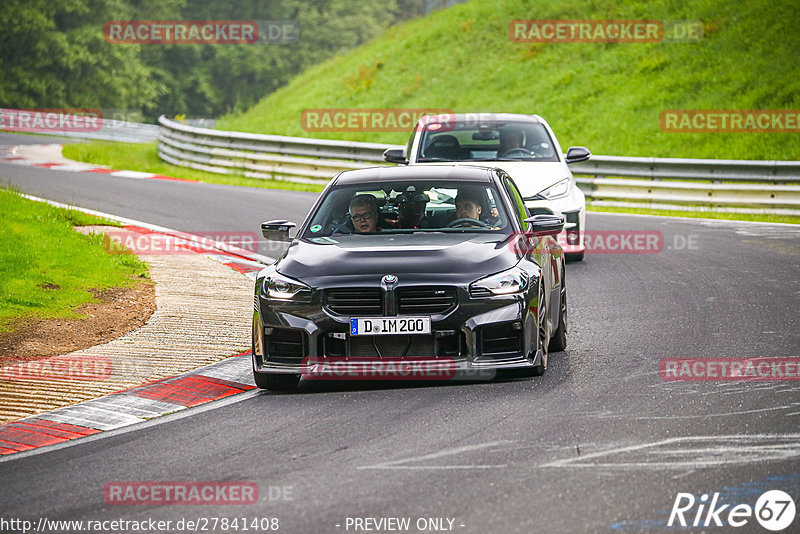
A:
(107, 128)
(758, 186)
(762, 186)
(296, 159)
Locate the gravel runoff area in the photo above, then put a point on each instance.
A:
(203, 314)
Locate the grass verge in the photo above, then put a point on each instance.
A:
(143, 157)
(47, 269)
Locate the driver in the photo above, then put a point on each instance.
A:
(468, 206)
(364, 213)
(509, 140)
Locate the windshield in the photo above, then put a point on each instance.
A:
(471, 140)
(409, 207)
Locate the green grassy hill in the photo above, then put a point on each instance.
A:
(604, 96)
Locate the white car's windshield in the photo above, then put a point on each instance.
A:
(471, 140)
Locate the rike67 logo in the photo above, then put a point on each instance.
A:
(774, 510)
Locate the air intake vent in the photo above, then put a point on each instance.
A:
(392, 346)
(500, 339)
(427, 300)
(354, 301)
(285, 345)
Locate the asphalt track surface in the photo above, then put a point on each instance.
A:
(600, 443)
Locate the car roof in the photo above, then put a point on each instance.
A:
(464, 173)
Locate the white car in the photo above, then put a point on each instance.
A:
(522, 145)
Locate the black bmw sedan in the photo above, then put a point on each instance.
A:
(411, 273)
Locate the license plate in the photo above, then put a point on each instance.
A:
(389, 325)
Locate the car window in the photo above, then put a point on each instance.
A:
(410, 144)
(516, 198)
(469, 140)
(409, 207)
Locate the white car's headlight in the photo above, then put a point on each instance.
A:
(514, 280)
(279, 287)
(557, 190)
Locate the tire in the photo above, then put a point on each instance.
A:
(574, 258)
(542, 335)
(559, 340)
(274, 382)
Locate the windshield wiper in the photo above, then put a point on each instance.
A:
(537, 196)
(403, 231)
(435, 159)
(500, 159)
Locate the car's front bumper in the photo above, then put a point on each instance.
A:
(479, 334)
(390, 369)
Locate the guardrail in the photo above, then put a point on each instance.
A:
(64, 124)
(297, 159)
(717, 185)
(122, 131)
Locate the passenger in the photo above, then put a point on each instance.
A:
(411, 210)
(494, 216)
(364, 213)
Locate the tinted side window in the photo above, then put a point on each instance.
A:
(410, 144)
(516, 197)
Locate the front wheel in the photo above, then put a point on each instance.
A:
(574, 258)
(274, 382)
(559, 340)
(542, 336)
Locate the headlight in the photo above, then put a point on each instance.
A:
(557, 190)
(279, 287)
(504, 283)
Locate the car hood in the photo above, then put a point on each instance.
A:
(413, 258)
(531, 177)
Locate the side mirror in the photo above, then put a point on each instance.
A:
(542, 225)
(395, 155)
(277, 230)
(577, 153)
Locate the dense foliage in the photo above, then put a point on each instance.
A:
(53, 52)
